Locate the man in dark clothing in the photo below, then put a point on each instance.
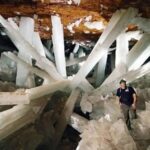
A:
(127, 99)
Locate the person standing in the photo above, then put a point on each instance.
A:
(127, 99)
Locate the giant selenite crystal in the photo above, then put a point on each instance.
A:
(120, 60)
(38, 72)
(25, 47)
(37, 43)
(117, 24)
(129, 76)
(132, 60)
(58, 45)
(139, 53)
(122, 49)
(24, 77)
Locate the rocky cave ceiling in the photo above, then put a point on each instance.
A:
(82, 19)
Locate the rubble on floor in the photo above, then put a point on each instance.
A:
(102, 134)
(107, 129)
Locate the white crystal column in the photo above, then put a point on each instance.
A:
(71, 57)
(33, 94)
(139, 53)
(14, 119)
(44, 90)
(58, 44)
(76, 48)
(13, 24)
(134, 35)
(16, 112)
(40, 73)
(14, 98)
(78, 122)
(81, 53)
(100, 72)
(37, 43)
(122, 49)
(117, 24)
(26, 27)
(129, 77)
(26, 47)
(24, 77)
